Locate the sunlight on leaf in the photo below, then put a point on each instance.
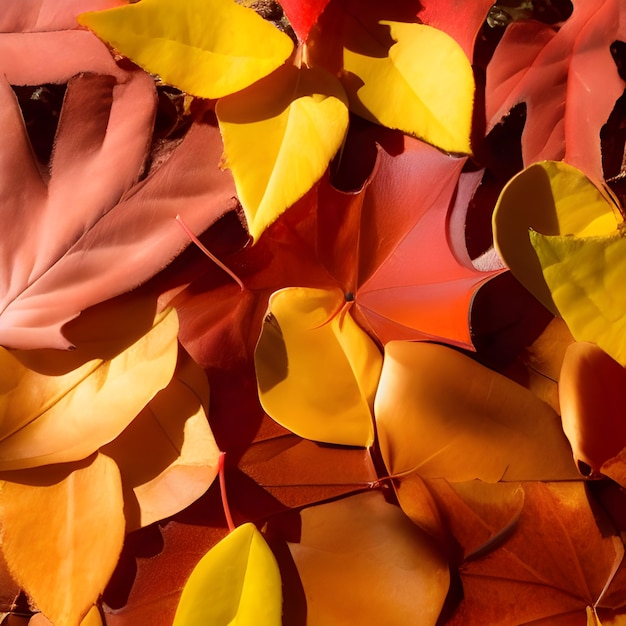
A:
(279, 136)
(167, 455)
(552, 198)
(423, 84)
(440, 414)
(194, 45)
(53, 417)
(237, 581)
(62, 533)
(317, 371)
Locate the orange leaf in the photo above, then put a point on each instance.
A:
(62, 533)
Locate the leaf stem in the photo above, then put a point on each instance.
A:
(206, 251)
(220, 470)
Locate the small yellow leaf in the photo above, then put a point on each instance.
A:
(167, 456)
(236, 582)
(552, 198)
(62, 533)
(52, 418)
(317, 371)
(279, 136)
(208, 48)
(586, 279)
(422, 84)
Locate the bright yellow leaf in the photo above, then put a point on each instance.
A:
(208, 48)
(236, 582)
(167, 455)
(317, 371)
(586, 279)
(279, 136)
(52, 417)
(62, 533)
(552, 198)
(422, 84)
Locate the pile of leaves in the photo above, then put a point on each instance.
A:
(311, 312)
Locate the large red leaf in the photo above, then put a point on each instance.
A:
(567, 78)
(87, 229)
(397, 246)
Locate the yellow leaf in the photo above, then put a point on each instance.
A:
(236, 582)
(440, 414)
(586, 279)
(317, 371)
(208, 48)
(279, 136)
(167, 456)
(552, 198)
(62, 533)
(52, 417)
(421, 82)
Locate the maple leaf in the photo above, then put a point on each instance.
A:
(303, 14)
(82, 218)
(567, 78)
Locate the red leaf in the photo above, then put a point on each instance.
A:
(302, 14)
(90, 201)
(566, 77)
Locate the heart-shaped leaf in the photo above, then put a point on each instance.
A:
(237, 581)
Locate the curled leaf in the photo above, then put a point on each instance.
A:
(53, 416)
(551, 198)
(317, 371)
(208, 48)
(237, 581)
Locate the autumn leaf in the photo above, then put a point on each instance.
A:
(237, 580)
(264, 128)
(302, 14)
(554, 564)
(433, 422)
(83, 244)
(193, 45)
(551, 198)
(317, 371)
(432, 100)
(57, 523)
(167, 455)
(591, 390)
(60, 416)
(567, 78)
(362, 561)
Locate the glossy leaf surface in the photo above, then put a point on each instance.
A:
(192, 45)
(237, 581)
(317, 371)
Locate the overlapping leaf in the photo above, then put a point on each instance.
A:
(440, 414)
(66, 411)
(264, 128)
(62, 533)
(571, 258)
(317, 371)
(302, 14)
(567, 78)
(193, 45)
(236, 581)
